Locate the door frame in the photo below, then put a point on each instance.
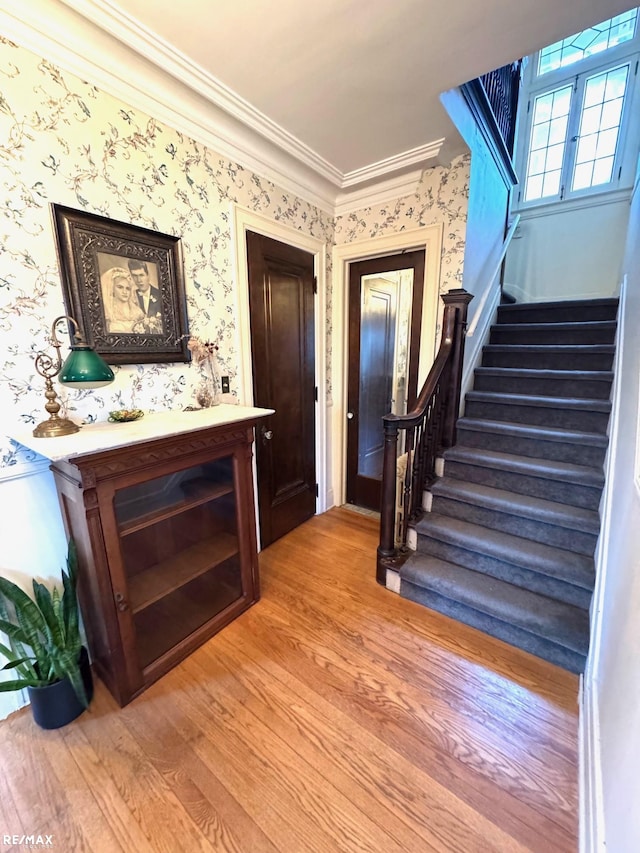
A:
(428, 239)
(247, 220)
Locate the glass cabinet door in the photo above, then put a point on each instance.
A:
(179, 544)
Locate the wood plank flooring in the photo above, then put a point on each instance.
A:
(331, 716)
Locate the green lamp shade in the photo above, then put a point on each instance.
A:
(84, 368)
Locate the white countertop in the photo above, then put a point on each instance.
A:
(105, 436)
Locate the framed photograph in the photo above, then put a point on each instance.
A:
(124, 285)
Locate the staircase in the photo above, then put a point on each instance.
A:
(508, 545)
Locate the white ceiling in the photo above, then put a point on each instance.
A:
(348, 90)
(357, 81)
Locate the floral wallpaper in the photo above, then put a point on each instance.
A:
(65, 141)
(441, 196)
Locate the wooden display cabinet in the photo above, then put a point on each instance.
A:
(165, 532)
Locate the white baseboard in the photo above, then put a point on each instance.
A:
(11, 702)
(591, 808)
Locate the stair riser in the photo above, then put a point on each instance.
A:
(566, 658)
(587, 421)
(561, 491)
(509, 572)
(578, 454)
(526, 359)
(547, 533)
(589, 389)
(552, 337)
(558, 314)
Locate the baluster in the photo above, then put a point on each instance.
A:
(415, 473)
(406, 485)
(429, 427)
(389, 478)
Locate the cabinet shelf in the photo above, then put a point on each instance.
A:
(178, 615)
(159, 580)
(196, 492)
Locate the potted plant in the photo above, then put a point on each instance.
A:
(45, 650)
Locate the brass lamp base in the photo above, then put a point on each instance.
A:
(55, 427)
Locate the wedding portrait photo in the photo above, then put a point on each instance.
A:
(125, 285)
(131, 297)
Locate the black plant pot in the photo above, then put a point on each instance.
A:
(56, 704)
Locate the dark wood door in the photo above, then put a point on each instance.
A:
(385, 312)
(281, 303)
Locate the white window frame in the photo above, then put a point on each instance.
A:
(629, 134)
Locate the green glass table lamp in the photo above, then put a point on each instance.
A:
(83, 368)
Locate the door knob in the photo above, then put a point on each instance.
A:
(350, 415)
(267, 434)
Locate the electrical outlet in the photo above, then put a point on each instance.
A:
(225, 384)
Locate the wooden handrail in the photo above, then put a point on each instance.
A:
(428, 428)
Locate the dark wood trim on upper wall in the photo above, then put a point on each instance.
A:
(477, 101)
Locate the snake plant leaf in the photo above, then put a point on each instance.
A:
(17, 648)
(27, 613)
(11, 654)
(13, 631)
(56, 602)
(20, 684)
(69, 661)
(44, 601)
(36, 638)
(75, 677)
(14, 663)
(72, 563)
(70, 607)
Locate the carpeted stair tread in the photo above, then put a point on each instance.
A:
(531, 466)
(554, 356)
(596, 355)
(552, 348)
(525, 553)
(511, 634)
(546, 373)
(572, 403)
(596, 332)
(594, 384)
(559, 328)
(535, 432)
(544, 617)
(524, 506)
(557, 304)
(605, 308)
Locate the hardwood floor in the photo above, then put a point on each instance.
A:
(331, 716)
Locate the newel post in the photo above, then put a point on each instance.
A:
(386, 549)
(458, 299)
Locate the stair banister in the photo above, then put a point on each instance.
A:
(429, 427)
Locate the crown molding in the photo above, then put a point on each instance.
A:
(60, 34)
(378, 193)
(414, 157)
(173, 62)
(181, 94)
